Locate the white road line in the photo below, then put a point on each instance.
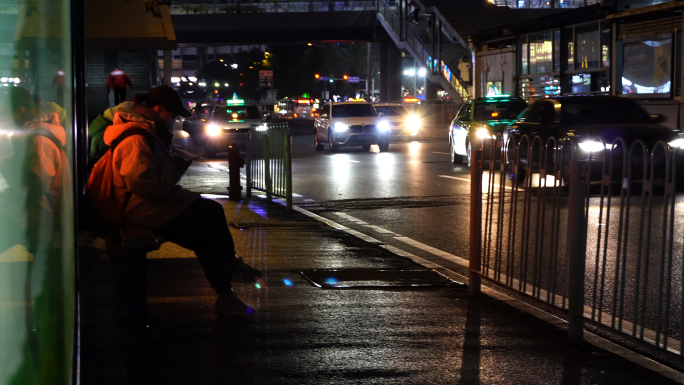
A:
(437, 152)
(363, 236)
(468, 180)
(309, 200)
(414, 258)
(454, 177)
(432, 250)
(350, 218)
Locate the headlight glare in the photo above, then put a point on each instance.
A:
(482, 133)
(339, 127)
(213, 129)
(677, 143)
(592, 146)
(413, 122)
(383, 126)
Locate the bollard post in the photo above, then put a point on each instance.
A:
(235, 163)
(288, 171)
(267, 167)
(475, 256)
(576, 249)
(248, 169)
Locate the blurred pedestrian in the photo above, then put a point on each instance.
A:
(118, 81)
(144, 184)
(58, 83)
(414, 10)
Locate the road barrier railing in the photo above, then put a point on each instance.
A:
(269, 161)
(592, 228)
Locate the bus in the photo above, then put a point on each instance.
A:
(297, 108)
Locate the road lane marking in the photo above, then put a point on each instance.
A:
(437, 152)
(380, 230)
(454, 177)
(414, 258)
(468, 180)
(350, 218)
(432, 250)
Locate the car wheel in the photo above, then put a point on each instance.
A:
(469, 155)
(455, 158)
(383, 146)
(366, 147)
(319, 146)
(334, 147)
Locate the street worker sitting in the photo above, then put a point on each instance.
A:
(134, 187)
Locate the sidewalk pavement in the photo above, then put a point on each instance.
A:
(303, 334)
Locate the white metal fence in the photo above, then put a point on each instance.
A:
(269, 161)
(597, 233)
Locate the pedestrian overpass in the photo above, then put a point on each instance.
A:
(333, 21)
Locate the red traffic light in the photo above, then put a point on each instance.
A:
(317, 77)
(345, 77)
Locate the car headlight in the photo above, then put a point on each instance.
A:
(383, 126)
(592, 146)
(213, 129)
(339, 127)
(482, 133)
(677, 143)
(413, 122)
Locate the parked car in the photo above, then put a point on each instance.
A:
(594, 122)
(403, 124)
(350, 124)
(216, 129)
(478, 120)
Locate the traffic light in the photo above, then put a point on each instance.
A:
(331, 79)
(317, 77)
(345, 78)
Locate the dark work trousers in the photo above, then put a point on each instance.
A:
(119, 96)
(203, 228)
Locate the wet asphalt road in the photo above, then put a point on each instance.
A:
(414, 198)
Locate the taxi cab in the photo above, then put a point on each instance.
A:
(216, 129)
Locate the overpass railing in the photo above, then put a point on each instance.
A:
(272, 6)
(269, 161)
(418, 49)
(591, 228)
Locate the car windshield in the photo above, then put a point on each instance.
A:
(353, 110)
(601, 111)
(391, 110)
(241, 112)
(498, 110)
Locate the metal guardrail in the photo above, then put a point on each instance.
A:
(590, 232)
(272, 7)
(269, 161)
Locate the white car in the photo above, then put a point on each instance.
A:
(403, 124)
(350, 124)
